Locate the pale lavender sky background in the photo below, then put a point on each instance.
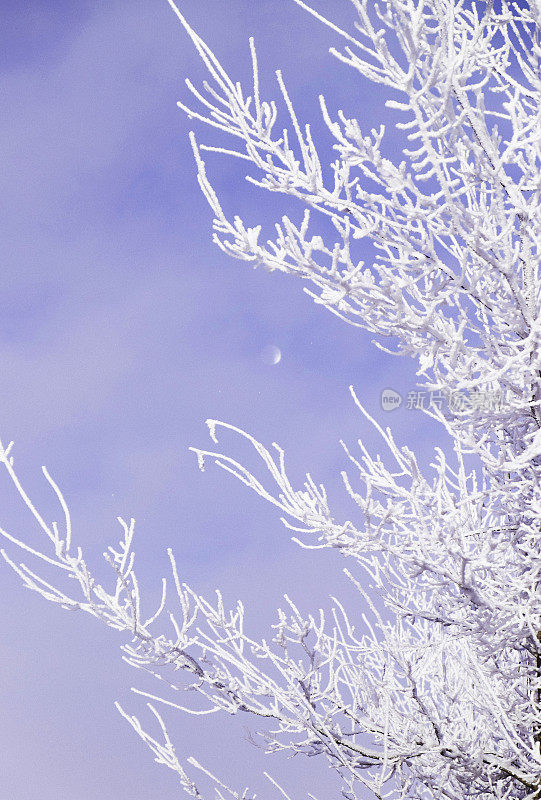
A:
(122, 328)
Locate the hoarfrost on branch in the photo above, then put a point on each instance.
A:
(441, 695)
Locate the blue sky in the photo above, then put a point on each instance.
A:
(122, 328)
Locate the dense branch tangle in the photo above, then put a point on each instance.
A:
(466, 248)
(439, 696)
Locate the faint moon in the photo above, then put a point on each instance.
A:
(271, 355)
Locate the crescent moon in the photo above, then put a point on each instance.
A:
(271, 355)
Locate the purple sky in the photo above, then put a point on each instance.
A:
(122, 328)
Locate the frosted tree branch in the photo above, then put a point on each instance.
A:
(434, 690)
